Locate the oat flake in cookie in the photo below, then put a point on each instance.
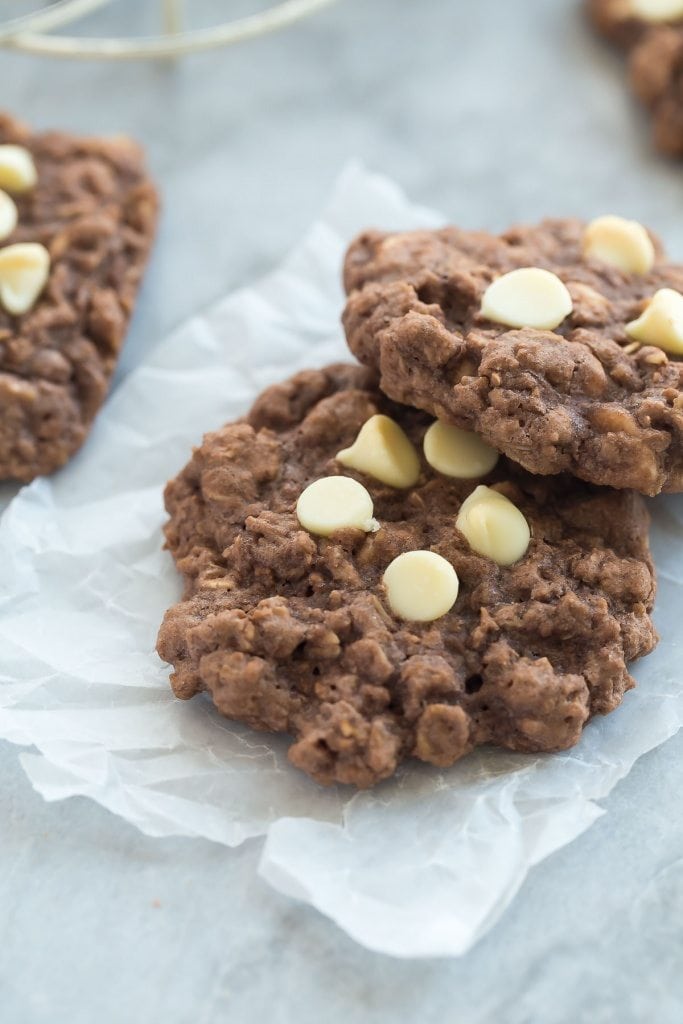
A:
(527, 339)
(292, 630)
(77, 218)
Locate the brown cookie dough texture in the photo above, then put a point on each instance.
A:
(581, 398)
(655, 63)
(94, 209)
(291, 632)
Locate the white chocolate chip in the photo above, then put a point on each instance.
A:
(17, 169)
(621, 243)
(657, 10)
(383, 450)
(458, 453)
(493, 526)
(335, 503)
(421, 586)
(661, 322)
(8, 216)
(529, 297)
(24, 270)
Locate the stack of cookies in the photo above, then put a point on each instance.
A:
(445, 544)
(440, 546)
(651, 33)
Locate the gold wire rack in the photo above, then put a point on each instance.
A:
(31, 33)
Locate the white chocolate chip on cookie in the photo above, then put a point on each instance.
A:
(458, 453)
(529, 297)
(624, 244)
(657, 10)
(17, 169)
(8, 216)
(24, 270)
(335, 503)
(493, 526)
(384, 451)
(661, 322)
(421, 586)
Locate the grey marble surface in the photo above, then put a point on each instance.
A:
(492, 111)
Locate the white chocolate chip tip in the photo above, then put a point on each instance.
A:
(661, 322)
(8, 215)
(624, 244)
(17, 169)
(528, 297)
(458, 453)
(24, 270)
(335, 503)
(493, 526)
(657, 10)
(420, 586)
(383, 451)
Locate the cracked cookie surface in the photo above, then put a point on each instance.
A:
(94, 209)
(293, 633)
(577, 399)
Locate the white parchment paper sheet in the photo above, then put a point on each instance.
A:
(427, 862)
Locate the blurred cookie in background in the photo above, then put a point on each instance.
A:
(652, 32)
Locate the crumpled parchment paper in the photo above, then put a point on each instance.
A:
(421, 866)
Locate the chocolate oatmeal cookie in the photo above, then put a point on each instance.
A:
(652, 32)
(562, 366)
(290, 630)
(656, 73)
(77, 218)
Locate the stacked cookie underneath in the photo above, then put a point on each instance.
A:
(417, 556)
(651, 32)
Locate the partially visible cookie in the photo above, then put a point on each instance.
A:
(376, 622)
(79, 217)
(625, 22)
(656, 73)
(652, 32)
(452, 330)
